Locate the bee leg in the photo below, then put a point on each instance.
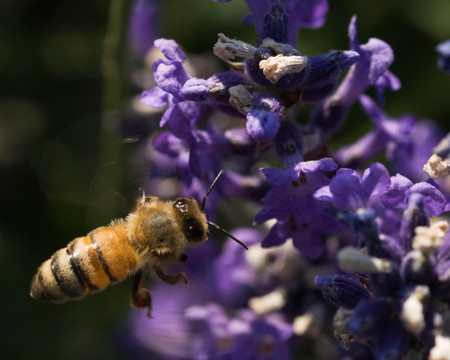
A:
(140, 297)
(170, 279)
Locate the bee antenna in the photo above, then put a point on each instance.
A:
(210, 189)
(214, 225)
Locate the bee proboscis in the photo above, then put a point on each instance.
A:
(156, 233)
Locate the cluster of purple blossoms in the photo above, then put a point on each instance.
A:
(366, 241)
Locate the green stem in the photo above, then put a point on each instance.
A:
(114, 91)
(114, 54)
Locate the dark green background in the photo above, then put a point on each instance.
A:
(50, 111)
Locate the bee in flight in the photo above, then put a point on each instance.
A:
(155, 233)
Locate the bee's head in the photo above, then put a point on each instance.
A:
(193, 220)
(196, 224)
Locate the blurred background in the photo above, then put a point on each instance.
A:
(69, 163)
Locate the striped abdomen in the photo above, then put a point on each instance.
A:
(88, 264)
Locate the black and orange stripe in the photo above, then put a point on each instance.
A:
(88, 264)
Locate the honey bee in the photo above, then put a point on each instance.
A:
(156, 233)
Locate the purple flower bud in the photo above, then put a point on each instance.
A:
(324, 72)
(342, 290)
(143, 25)
(263, 121)
(283, 20)
(370, 317)
(275, 25)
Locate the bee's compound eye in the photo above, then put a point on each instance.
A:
(181, 205)
(194, 231)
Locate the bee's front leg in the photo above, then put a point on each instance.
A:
(170, 279)
(140, 297)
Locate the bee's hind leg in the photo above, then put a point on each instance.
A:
(170, 279)
(140, 297)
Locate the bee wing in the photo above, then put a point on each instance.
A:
(70, 170)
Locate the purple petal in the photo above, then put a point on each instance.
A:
(309, 243)
(372, 110)
(324, 194)
(434, 200)
(180, 117)
(170, 77)
(262, 125)
(375, 180)
(395, 196)
(279, 177)
(353, 34)
(277, 235)
(347, 191)
(357, 153)
(381, 56)
(308, 14)
(168, 144)
(324, 165)
(170, 49)
(155, 97)
(195, 89)
(387, 81)
(268, 213)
